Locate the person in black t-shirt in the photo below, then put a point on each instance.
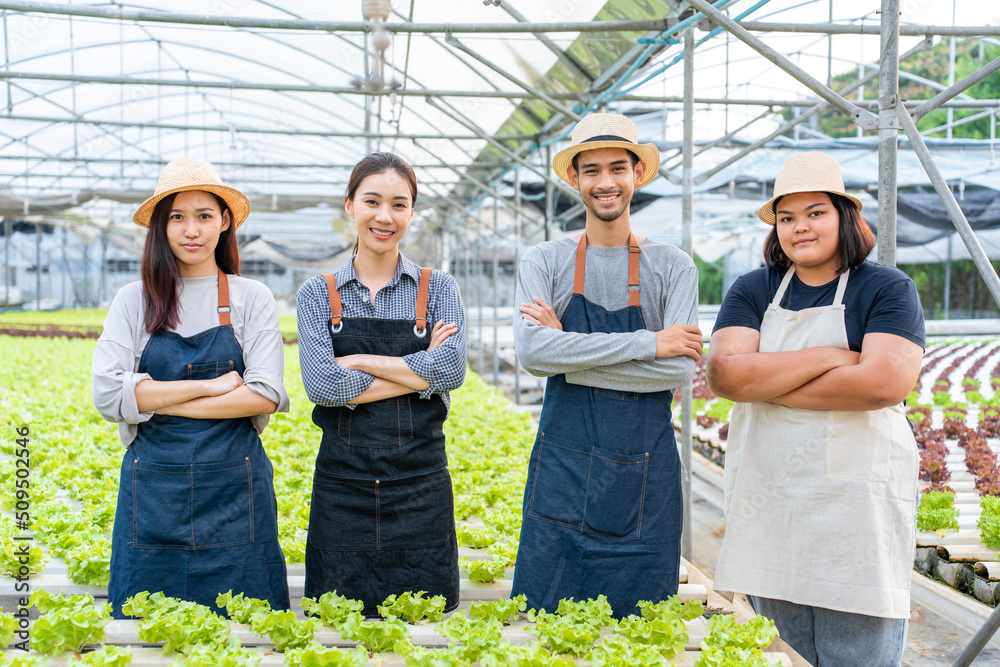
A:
(819, 349)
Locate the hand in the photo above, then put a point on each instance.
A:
(440, 333)
(223, 384)
(541, 313)
(679, 340)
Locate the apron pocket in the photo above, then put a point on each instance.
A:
(559, 488)
(209, 371)
(416, 513)
(385, 423)
(615, 494)
(222, 504)
(342, 514)
(192, 506)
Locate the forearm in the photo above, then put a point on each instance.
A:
(381, 389)
(881, 378)
(638, 376)
(545, 351)
(152, 395)
(761, 376)
(393, 369)
(844, 388)
(443, 368)
(240, 402)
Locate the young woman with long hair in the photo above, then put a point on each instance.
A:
(190, 367)
(819, 348)
(381, 343)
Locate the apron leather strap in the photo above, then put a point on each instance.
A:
(633, 268)
(223, 299)
(581, 265)
(422, 291)
(841, 288)
(335, 306)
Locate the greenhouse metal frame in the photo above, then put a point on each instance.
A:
(473, 172)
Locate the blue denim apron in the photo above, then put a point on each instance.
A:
(196, 512)
(382, 517)
(602, 505)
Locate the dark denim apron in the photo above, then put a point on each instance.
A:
(382, 518)
(602, 505)
(196, 512)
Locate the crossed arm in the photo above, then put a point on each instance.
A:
(815, 378)
(225, 397)
(393, 376)
(642, 360)
(337, 380)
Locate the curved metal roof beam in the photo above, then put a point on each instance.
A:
(284, 93)
(181, 68)
(203, 94)
(32, 95)
(217, 91)
(117, 142)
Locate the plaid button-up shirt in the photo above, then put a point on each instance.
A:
(329, 384)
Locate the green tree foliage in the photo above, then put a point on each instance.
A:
(969, 296)
(932, 64)
(709, 281)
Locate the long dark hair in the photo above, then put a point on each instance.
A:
(855, 244)
(381, 163)
(159, 266)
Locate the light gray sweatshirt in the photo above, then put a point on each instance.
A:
(668, 295)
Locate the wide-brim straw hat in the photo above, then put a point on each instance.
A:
(184, 174)
(607, 130)
(806, 172)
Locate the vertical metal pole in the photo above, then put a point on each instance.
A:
(62, 280)
(496, 294)
(888, 131)
(861, 75)
(38, 267)
(6, 261)
(829, 53)
(104, 266)
(517, 258)
(479, 290)
(368, 100)
(951, 71)
(687, 220)
(86, 275)
(947, 281)
(993, 132)
(549, 194)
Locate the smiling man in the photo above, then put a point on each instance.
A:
(611, 320)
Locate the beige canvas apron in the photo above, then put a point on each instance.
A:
(819, 504)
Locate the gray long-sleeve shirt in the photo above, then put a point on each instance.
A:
(119, 350)
(668, 295)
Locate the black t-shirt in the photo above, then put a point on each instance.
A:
(878, 299)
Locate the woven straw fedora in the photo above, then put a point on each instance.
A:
(806, 172)
(185, 174)
(607, 130)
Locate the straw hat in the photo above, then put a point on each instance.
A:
(607, 130)
(185, 174)
(806, 172)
